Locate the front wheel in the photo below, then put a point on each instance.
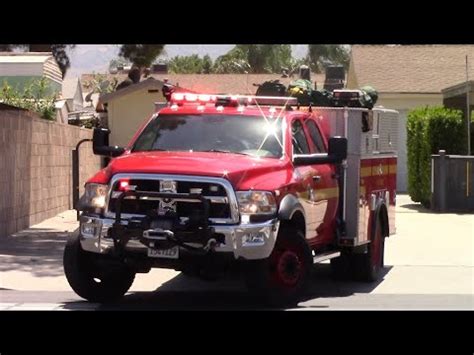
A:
(88, 280)
(282, 278)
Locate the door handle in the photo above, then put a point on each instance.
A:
(317, 178)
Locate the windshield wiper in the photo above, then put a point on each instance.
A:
(220, 151)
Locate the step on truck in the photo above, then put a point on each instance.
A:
(255, 186)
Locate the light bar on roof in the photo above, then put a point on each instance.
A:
(274, 100)
(181, 98)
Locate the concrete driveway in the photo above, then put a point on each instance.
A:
(429, 266)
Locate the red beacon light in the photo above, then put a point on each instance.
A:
(182, 98)
(124, 185)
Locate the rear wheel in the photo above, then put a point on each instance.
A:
(90, 281)
(282, 278)
(369, 265)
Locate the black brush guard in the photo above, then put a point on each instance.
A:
(195, 230)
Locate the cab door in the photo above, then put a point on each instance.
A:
(303, 176)
(324, 185)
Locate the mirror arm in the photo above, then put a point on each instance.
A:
(312, 159)
(111, 151)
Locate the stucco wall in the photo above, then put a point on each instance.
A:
(35, 168)
(127, 113)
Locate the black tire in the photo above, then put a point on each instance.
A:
(281, 279)
(88, 280)
(368, 266)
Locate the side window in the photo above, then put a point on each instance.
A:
(300, 144)
(316, 136)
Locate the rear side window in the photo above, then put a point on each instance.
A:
(300, 144)
(316, 137)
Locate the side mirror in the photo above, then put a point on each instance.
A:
(337, 148)
(100, 144)
(337, 152)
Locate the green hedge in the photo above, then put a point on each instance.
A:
(430, 129)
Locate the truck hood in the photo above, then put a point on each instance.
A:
(236, 168)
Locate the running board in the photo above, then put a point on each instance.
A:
(325, 256)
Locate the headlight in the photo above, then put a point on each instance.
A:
(256, 202)
(94, 195)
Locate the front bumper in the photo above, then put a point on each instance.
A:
(248, 241)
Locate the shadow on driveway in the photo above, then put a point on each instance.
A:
(35, 250)
(418, 207)
(184, 293)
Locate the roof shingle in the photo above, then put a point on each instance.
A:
(411, 68)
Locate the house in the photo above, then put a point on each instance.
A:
(19, 69)
(70, 102)
(455, 96)
(72, 93)
(407, 77)
(129, 107)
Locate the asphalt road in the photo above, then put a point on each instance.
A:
(429, 266)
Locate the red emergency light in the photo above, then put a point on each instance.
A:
(183, 97)
(124, 185)
(180, 98)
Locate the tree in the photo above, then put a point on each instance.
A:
(206, 64)
(190, 64)
(59, 54)
(280, 58)
(141, 55)
(258, 56)
(117, 62)
(100, 84)
(233, 62)
(322, 55)
(255, 58)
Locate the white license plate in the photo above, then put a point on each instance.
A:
(172, 253)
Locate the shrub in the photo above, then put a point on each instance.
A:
(34, 97)
(430, 129)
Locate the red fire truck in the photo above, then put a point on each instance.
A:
(256, 185)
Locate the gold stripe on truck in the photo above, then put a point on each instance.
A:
(378, 170)
(324, 194)
(321, 194)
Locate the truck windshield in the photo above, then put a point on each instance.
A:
(249, 135)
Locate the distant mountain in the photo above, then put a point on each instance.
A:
(90, 58)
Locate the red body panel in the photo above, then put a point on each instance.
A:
(377, 176)
(319, 197)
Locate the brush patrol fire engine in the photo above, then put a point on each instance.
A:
(257, 185)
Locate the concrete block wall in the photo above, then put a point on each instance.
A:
(35, 168)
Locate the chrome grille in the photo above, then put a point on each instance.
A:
(223, 207)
